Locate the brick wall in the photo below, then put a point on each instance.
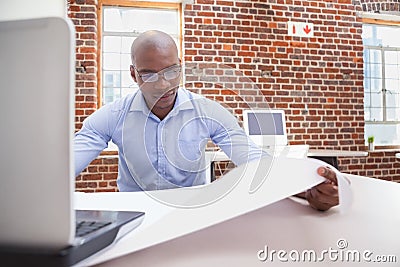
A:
(318, 81)
(251, 61)
(100, 176)
(84, 17)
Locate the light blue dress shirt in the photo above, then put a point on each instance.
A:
(159, 154)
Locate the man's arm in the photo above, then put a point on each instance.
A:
(93, 137)
(231, 138)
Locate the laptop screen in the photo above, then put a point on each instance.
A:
(37, 71)
(265, 127)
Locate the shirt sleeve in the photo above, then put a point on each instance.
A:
(94, 136)
(231, 138)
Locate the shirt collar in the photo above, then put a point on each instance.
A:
(182, 102)
(138, 103)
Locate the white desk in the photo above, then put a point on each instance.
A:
(371, 224)
(211, 158)
(336, 153)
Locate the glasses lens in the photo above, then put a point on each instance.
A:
(149, 77)
(172, 74)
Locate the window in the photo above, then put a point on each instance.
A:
(382, 83)
(120, 25)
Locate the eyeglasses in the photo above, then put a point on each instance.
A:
(168, 74)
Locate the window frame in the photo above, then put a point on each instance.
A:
(384, 21)
(385, 91)
(126, 3)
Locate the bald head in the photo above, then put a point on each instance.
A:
(152, 41)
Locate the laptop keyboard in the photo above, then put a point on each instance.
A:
(84, 228)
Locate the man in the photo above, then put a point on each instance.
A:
(161, 130)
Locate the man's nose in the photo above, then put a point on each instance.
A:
(162, 83)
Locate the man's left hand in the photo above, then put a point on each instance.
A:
(325, 195)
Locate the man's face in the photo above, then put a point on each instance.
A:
(157, 72)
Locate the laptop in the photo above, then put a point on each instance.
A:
(37, 220)
(267, 128)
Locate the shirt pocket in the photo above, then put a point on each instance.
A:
(191, 150)
(187, 155)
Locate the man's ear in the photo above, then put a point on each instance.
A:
(133, 73)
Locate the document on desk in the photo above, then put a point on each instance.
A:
(177, 212)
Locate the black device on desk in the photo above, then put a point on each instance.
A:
(38, 220)
(94, 231)
(330, 160)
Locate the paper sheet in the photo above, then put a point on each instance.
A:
(177, 212)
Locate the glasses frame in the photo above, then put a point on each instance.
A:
(163, 72)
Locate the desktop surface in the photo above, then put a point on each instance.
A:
(288, 224)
